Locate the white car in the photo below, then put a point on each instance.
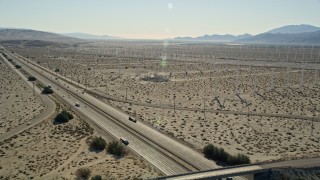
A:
(77, 104)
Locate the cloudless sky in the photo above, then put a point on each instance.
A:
(157, 19)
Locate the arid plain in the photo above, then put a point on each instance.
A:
(259, 100)
(51, 151)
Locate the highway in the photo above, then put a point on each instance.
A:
(48, 111)
(166, 154)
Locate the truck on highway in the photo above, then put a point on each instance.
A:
(132, 119)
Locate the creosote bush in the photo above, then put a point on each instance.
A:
(218, 154)
(115, 148)
(83, 173)
(63, 117)
(98, 143)
(96, 177)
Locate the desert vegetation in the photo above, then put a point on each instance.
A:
(115, 148)
(63, 117)
(219, 154)
(267, 79)
(83, 173)
(98, 143)
(17, 102)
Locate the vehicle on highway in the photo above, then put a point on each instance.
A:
(77, 104)
(132, 119)
(124, 141)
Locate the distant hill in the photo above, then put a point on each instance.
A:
(31, 43)
(32, 35)
(309, 38)
(294, 29)
(89, 36)
(215, 38)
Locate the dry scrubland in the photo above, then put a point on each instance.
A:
(57, 151)
(52, 151)
(17, 103)
(197, 74)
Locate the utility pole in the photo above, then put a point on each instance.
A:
(302, 78)
(174, 103)
(288, 78)
(237, 79)
(204, 108)
(272, 79)
(34, 91)
(126, 93)
(255, 82)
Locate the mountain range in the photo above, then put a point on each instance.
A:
(291, 34)
(23, 35)
(294, 29)
(89, 36)
(215, 37)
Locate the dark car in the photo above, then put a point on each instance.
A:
(124, 141)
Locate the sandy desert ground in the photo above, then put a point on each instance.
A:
(285, 79)
(53, 151)
(17, 103)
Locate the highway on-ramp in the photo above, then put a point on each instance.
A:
(49, 108)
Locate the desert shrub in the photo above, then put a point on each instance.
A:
(17, 66)
(83, 173)
(219, 154)
(32, 78)
(98, 143)
(238, 159)
(208, 151)
(96, 177)
(70, 116)
(47, 90)
(115, 148)
(57, 70)
(63, 117)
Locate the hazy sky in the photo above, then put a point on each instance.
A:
(157, 18)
